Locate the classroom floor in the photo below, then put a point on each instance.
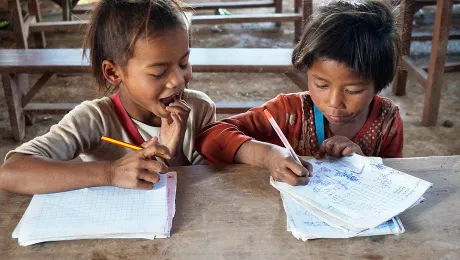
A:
(441, 139)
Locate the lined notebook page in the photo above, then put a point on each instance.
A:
(99, 212)
(305, 225)
(356, 200)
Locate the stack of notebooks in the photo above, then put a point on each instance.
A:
(350, 196)
(100, 212)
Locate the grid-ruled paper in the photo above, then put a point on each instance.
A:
(99, 212)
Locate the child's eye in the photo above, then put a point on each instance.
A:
(183, 66)
(354, 92)
(321, 86)
(157, 76)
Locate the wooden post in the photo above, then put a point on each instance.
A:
(307, 10)
(278, 9)
(433, 88)
(66, 6)
(15, 87)
(406, 17)
(39, 37)
(19, 28)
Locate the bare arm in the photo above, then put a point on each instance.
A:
(32, 174)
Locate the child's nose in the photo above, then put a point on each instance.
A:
(176, 79)
(336, 99)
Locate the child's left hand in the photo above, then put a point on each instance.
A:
(173, 129)
(338, 146)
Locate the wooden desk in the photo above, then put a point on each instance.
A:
(233, 213)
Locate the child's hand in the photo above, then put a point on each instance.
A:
(338, 146)
(173, 129)
(285, 168)
(136, 170)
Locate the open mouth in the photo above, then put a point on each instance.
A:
(168, 100)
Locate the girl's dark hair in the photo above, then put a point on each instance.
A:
(360, 34)
(116, 25)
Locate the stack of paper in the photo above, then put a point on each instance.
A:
(100, 212)
(350, 196)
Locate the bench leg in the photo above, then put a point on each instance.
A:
(15, 87)
(39, 37)
(437, 59)
(19, 28)
(298, 78)
(278, 9)
(406, 18)
(307, 9)
(66, 15)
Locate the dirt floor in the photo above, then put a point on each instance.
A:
(441, 139)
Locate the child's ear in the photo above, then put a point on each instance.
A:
(111, 72)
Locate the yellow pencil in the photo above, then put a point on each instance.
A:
(131, 146)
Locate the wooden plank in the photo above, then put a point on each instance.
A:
(430, 37)
(231, 5)
(448, 67)
(406, 17)
(232, 211)
(236, 107)
(15, 86)
(420, 75)
(82, 9)
(442, 25)
(241, 18)
(222, 107)
(203, 60)
(59, 26)
(201, 19)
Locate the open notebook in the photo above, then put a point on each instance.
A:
(100, 212)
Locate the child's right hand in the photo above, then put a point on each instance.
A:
(136, 170)
(285, 168)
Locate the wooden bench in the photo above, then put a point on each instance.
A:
(16, 64)
(33, 24)
(430, 78)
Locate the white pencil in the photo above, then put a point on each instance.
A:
(281, 135)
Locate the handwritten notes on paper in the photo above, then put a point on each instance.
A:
(355, 198)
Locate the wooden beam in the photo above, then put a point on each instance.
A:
(232, 5)
(82, 9)
(420, 75)
(18, 25)
(406, 16)
(241, 18)
(59, 26)
(433, 88)
(36, 87)
(236, 107)
(14, 86)
(430, 37)
(222, 107)
(448, 67)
